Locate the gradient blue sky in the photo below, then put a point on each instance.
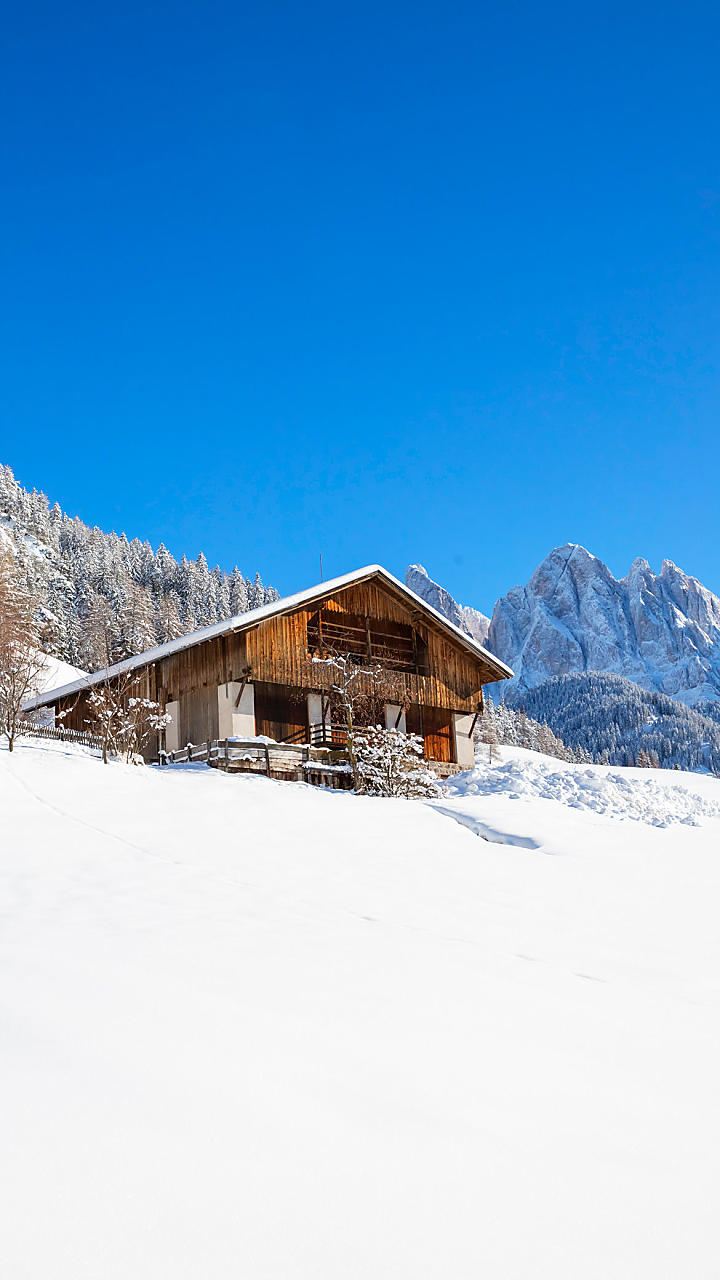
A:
(434, 282)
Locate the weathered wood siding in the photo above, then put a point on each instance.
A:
(277, 652)
(199, 716)
(281, 712)
(204, 665)
(76, 715)
(434, 724)
(274, 655)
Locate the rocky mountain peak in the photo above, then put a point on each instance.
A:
(661, 630)
(469, 620)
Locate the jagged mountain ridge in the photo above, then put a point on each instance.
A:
(662, 631)
(470, 620)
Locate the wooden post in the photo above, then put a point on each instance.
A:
(189, 751)
(267, 759)
(472, 726)
(324, 711)
(207, 744)
(227, 755)
(246, 676)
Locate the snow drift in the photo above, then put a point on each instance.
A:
(251, 1028)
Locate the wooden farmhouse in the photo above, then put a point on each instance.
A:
(270, 673)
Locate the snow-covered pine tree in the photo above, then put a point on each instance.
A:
(21, 661)
(169, 626)
(73, 567)
(239, 599)
(501, 725)
(487, 731)
(611, 720)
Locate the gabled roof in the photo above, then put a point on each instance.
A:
(244, 621)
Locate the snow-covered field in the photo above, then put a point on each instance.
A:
(251, 1029)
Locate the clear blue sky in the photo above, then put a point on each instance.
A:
(434, 282)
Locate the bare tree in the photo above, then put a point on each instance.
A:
(358, 694)
(21, 661)
(143, 719)
(124, 722)
(347, 692)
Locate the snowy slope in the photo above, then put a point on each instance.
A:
(255, 1029)
(660, 798)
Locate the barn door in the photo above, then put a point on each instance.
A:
(436, 730)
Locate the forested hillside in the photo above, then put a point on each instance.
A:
(104, 597)
(617, 722)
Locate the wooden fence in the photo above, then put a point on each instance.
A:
(28, 728)
(274, 759)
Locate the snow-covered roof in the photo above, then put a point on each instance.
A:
(252, 617)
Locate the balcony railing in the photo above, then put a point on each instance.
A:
(328, 735)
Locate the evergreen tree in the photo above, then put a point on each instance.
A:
(101, 593)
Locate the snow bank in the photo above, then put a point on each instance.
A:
(617, 793)
(255, 1029)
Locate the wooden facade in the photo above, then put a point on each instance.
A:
(427, 667)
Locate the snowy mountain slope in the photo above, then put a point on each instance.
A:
(661, 631)
(466, 618)
(251, 1028)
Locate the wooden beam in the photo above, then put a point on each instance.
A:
(476, 717)
(246, 676)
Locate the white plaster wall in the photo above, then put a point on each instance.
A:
(172, 733)
(315, 709)
(464, 745)
(236, 722)
(243, 719)
(391, 715)
(227, 693)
